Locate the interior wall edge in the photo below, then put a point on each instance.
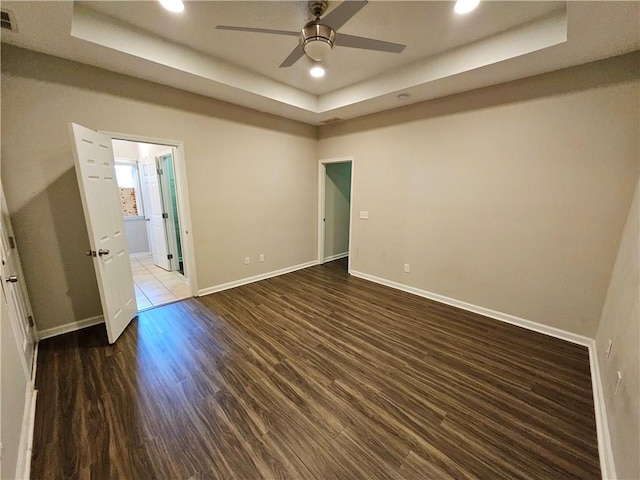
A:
(605, 449)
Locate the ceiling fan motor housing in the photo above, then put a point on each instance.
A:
(317, 40)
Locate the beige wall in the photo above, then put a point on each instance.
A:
(621, 323)
(337, 200)
(512, 197)
(252, 177)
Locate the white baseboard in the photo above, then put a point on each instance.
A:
(487, 312)
(70, 327)
(255, 278)
(337, 256)
(607, 464)
(23, 465)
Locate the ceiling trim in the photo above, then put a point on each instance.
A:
(91, 26)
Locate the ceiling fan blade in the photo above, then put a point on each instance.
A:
(293, 57)
(258, 30)
(343, 40)
(342, 13)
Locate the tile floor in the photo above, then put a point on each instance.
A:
(155, 286)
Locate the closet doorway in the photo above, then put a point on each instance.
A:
(150, 196)
(335, 178)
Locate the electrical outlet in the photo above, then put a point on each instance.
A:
(609, 348)
(618, 382)
(406, 268)
(247, 261)
(261, 257)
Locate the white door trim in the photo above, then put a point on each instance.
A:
(184, 210)
(322, 173)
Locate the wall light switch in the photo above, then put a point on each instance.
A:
(261, 257)
(246, 260)
(406, 268)
(364, 214)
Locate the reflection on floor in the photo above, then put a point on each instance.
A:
(154, 285)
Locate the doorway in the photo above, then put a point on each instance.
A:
(151, 197)
(335, 199)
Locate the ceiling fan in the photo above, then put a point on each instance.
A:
(319, 36)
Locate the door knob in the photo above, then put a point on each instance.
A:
(102, 252)
(11, 279)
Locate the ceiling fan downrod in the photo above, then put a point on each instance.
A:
(318, 7)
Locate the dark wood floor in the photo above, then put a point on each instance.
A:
(313, 375)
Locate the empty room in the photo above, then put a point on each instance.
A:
(315, 240)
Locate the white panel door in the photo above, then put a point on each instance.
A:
(153, 213)
(96, 174)
(15, 291)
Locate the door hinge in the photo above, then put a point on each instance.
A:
(12, 242)
(31, 323)
(165, 215)
(170, 256)
(159, 170)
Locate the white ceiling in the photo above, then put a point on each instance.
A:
(446, 53)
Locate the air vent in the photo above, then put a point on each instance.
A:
(8, 20)
(331, 120)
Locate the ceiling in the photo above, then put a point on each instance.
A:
(446, 53)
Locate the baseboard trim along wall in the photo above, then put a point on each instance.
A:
(487, 312)
(70, 327)
(607, 463)
(23, 466)
(604, 441)
(337, 256)
(255, 278)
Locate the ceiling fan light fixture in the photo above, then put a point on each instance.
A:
(317, 71)
(465, 6)
(175, 6)
(317, 40)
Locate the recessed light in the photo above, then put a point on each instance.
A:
(465, 6)
(403, 97)
(317, 71)
(175, 6)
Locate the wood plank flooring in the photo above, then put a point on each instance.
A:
(313, 375)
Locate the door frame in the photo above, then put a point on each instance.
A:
(322, 175)
(182, 189)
